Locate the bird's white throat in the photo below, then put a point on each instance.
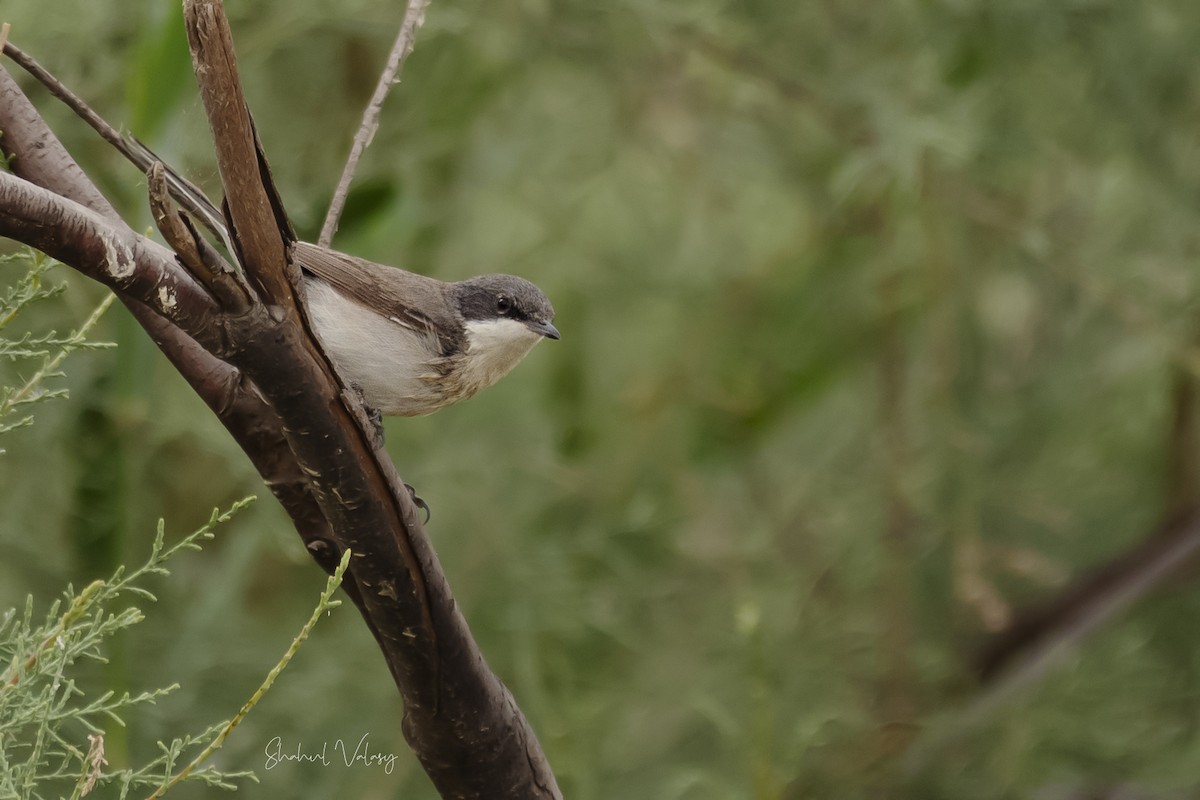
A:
(494, 347)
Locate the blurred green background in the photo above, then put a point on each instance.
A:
(872, 314)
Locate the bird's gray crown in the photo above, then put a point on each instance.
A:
(502, 296)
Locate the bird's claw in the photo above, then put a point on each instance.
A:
(419, 502)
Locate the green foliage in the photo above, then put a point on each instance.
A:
(46, 715)
(48, 349)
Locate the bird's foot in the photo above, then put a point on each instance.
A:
(376, 418)
(419, 502)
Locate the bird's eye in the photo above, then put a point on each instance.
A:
(503, 304)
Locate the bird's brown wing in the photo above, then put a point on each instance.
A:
(414, 301)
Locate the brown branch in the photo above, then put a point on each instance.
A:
(275, 385)
(60, 90)
(257, 226)
(111, 254)
(1130, 574)
(233, 399)
(133, 150)
(1049, 629)
(294, 375)
(414, 17)
(1030, 649)
(37, 155)
(462, 723)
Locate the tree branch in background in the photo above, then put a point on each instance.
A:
(1109, 589)
(1042, 638)
(1027, 647)
(276, 391)
(414, 17)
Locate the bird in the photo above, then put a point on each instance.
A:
(414, 344)
(409, 343)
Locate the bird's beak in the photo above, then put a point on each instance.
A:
(546, 329)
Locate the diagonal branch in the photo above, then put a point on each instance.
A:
(463, 724)
(277, 393)
(359, 490)
(275, 389)
(221, 279)
(39, 156)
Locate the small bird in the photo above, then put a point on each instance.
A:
(409, 343)
(413, 344)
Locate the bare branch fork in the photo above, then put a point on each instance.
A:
(240, 337)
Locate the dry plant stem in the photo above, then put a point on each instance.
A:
(36, 154)
(255, 223)
(139, 155)
(59, 90)
(414, 17)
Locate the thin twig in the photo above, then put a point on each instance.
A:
(59, 90)
(414, 17)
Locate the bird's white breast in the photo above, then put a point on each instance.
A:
(391, 364)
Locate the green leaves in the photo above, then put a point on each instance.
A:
(48, 350)
(44, 714)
